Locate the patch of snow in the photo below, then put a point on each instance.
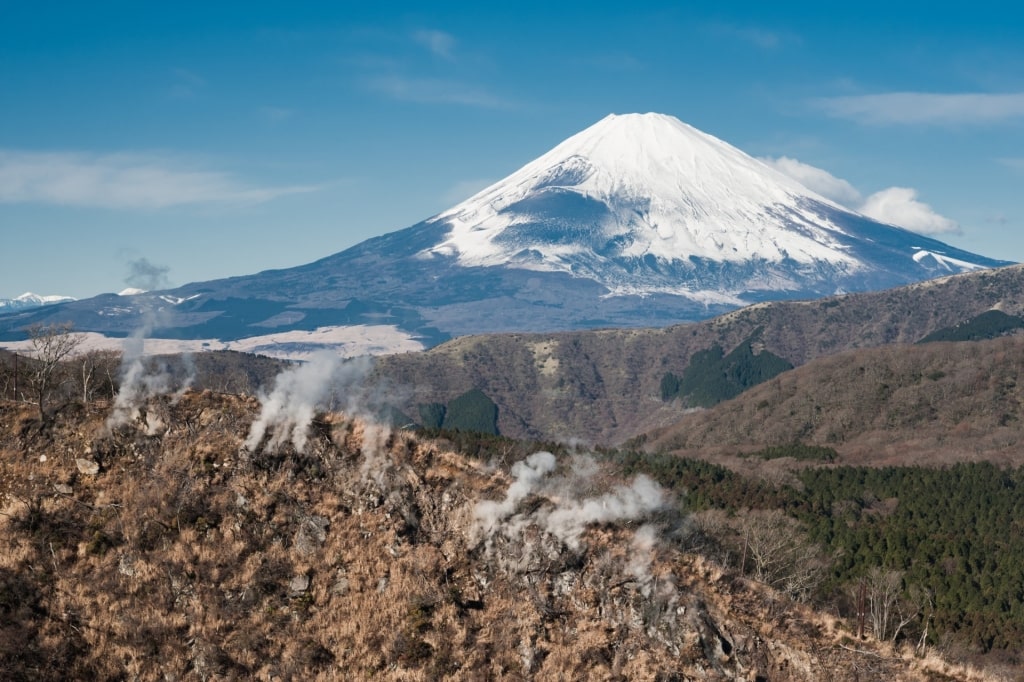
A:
(350, 341)
(114, 311)
(951, 264)
(167, 298)
(131, 291)
(706, 297)
(29, 297)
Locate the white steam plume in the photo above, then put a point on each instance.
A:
(288, 410)
(528, 474)
(374, 450)
(643, 546)
(567, 515)
(137, 385)
(290, 407)
(568, 520)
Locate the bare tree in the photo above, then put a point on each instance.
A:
(51, 344)
(780, 553)
(96, 373)
(911, 605)
(6, 374)
(926, 603)
(883, 589)
(881, 602)
(890, 608)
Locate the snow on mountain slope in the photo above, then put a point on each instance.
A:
(670, 190)
(639, 220)
(950, 264)
(643, 202)
(29, 300)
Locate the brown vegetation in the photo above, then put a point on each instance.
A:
(930, 404)
(187, 557)
(540, 381)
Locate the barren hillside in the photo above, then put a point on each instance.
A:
(166, 549)
(929, 404)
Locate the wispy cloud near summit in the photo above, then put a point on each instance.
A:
(893, 205)
(908, 108)
(764, 38)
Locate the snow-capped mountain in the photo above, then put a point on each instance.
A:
(639, 220)
(29, 300)
(644, 203)
(639, 186)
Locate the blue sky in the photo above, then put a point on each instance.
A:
(162, 143)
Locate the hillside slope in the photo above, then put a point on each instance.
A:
(929, 404)
(605, 386)
(166, 549)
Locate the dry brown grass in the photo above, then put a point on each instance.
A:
(931, 404)
(187, 558)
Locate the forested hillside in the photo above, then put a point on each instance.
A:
(943, 543)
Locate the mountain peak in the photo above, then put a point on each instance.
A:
(640, 219)
(638, 186)
(657, 153)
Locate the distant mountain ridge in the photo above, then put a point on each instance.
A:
(639, 220)
(29, 300)
(540, 381)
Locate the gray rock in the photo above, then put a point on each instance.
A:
(87, 466)
(311, 535)
(298, 585)
(126, 565)
(340, 585)
(63, 488)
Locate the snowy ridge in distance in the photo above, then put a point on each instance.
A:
(29, 300)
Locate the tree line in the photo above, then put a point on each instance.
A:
(56, 370)
(935, 555)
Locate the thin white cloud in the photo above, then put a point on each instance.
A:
(900, 206)
(121, 181)
(276, 114)
(906, 108)
(616, 62)
(764, 38)
(817, 179)
(434, 91)
(895, 205)
(1014, 163)
(439, 43)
